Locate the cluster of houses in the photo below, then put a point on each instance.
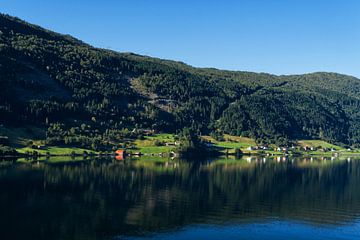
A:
(285, 149)
(251, 148)
(311, 148)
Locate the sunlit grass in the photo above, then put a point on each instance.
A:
(231, 142)
(318, 143)
(154, 144)
(153, 149)
(55, 150)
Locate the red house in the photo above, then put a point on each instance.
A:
(120, 154)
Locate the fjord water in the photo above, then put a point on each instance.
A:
(172, 199)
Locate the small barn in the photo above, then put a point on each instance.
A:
(120, 154)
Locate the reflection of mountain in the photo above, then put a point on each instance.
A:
(96, 199)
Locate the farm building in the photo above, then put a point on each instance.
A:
(120, 154)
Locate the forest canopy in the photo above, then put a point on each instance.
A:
(81, 94)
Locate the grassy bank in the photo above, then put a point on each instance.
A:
(55, 151)
(230, 143)
(164, 144)
(155, 144)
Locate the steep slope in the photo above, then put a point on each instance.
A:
(73, 89)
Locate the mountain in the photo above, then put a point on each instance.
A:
(85, 95)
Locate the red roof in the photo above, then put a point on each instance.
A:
(120, 151)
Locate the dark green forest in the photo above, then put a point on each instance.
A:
(86, 96)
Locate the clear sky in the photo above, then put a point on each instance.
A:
(275, 36)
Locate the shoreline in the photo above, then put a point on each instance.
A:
(175, 154)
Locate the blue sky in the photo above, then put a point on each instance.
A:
(275, 36)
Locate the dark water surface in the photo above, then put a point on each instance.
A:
(166, 199)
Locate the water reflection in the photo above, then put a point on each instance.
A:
(102, 198)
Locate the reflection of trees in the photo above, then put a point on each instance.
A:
(86, 200)
(283, 190)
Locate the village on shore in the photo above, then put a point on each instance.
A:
(167, 145)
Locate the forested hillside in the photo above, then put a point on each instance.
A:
(83, 95)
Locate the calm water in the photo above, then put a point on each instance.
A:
(154, 198)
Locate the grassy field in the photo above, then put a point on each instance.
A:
(167, 137)
(20, 137)
(323, 144)
(319, 143)
(231, 142)
(154, 144)
(152, 149)
(55, 150)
